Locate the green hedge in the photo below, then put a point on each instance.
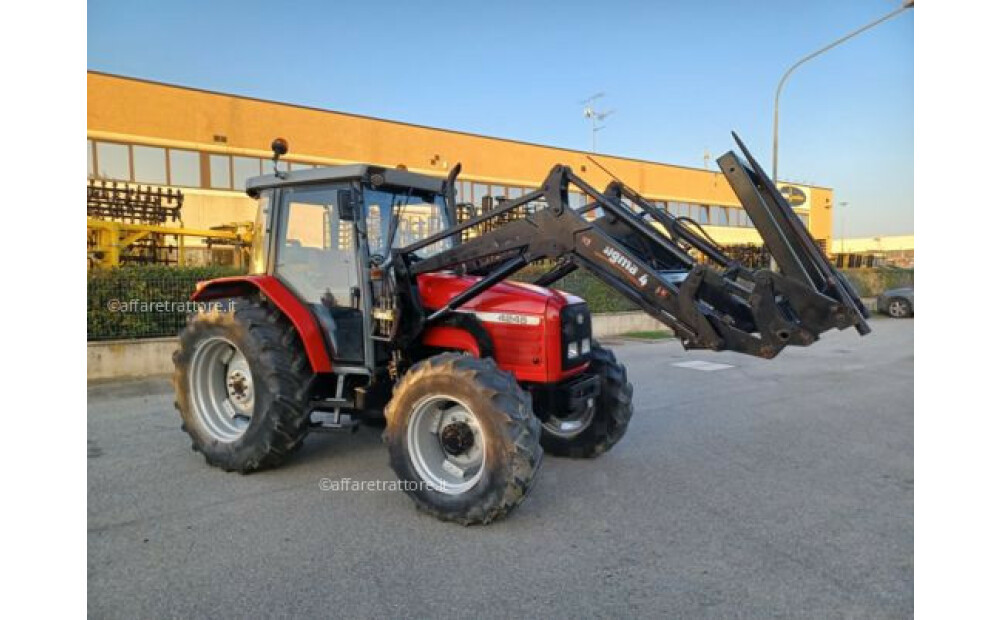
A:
(599, 296)
(602, 298)
(119, 300)
(871, 282)
(127, 302)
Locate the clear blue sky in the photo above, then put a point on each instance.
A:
(680, 75)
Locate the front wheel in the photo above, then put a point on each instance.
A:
(462, 438)
(597, 428)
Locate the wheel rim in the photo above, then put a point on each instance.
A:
(570, 426)
(222, 391)
(446, 444)
(897, 309)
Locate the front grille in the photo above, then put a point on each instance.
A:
(575, 322)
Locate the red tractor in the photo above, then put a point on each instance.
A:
(367, 297)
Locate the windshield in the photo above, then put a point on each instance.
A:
(420, 215)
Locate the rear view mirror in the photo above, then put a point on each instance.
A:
(345, 205)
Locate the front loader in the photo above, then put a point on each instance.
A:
(367, 299)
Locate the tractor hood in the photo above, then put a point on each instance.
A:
(514, 298)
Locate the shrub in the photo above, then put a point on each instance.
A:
(111, 291)
(118, 299)
(599, 296)
(872, 282)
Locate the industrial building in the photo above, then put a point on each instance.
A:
(882, 251)
(207, 144)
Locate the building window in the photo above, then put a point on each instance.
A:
(90, 158)
(244, 168)
(219, 172)
(267, 166)
(185, 168)
(113, 161)
(149, 164)
(577, 200)
(515, 192)
(805, 219)
(300, 166)
(463, 191)
(498, 191)
(479, 191)
(718, 216)
(678, 209)
(699, 213)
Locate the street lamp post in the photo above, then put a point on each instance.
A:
(907, 4)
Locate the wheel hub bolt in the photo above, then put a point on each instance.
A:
(238, 386)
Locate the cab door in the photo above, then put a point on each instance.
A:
(316, 258)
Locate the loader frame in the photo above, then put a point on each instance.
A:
(731, 307)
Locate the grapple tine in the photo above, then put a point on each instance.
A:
(795, 251)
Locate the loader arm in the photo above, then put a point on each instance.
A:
(756, 312)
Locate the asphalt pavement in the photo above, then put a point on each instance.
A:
(757, 489)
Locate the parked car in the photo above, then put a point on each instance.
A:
(897, 303)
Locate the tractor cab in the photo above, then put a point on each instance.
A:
(324, 232)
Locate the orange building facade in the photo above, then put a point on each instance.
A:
(207, 144)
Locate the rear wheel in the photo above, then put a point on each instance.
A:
(462, 438)
(598, 428)
(900, 308)
(241, 380)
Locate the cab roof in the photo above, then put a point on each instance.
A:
(331, 174)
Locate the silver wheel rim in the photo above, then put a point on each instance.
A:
(897, 309)
(571, 426)
(222, 393)
(446, 444)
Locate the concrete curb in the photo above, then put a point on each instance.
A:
(120, 359)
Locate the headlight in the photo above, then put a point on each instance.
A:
(572, 350)
(585, 346)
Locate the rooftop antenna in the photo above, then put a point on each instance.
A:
(707, 157)
(595, 116)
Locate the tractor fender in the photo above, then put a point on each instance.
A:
(277, 293)
(461, 331)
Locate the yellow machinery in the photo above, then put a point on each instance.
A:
(131, 224)
(108, 242)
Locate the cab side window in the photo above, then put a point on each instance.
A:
(315, 256)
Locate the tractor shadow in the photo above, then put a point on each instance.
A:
(354, 450)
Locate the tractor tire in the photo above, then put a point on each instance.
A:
(242, 379)
(602, 427)
(462, 438)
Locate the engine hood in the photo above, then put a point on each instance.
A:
(436, 289)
